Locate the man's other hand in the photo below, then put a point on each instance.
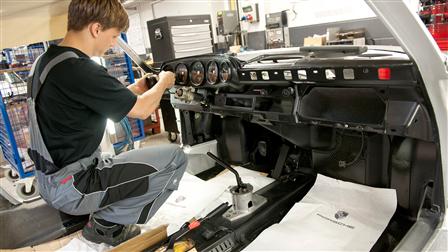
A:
(167, 79)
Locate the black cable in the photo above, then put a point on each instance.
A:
(335, 149)
(359, 153)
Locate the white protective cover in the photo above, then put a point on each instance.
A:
(334, 215)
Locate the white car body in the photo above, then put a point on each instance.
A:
(418, 43)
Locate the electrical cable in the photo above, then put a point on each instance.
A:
(128, 142)
(359, 153)
(129, 135)
(335, 149)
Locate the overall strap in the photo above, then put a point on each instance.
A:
(38, 151)
(36, 80)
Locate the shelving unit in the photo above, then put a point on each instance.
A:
(115, 62)
(21, 58)
(434, 13)
(14, 135)
(18, 185)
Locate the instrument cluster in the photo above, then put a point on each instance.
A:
(202, 71)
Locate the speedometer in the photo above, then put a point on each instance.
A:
(212, 72)
(181, 74)
(197, 73)
(225, 72)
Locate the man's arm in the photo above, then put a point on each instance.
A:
(137, 89)
(148, 101)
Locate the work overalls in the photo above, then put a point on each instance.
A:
(125, 189)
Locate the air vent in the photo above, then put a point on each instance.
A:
(223, 247)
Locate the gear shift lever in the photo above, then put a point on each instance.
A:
(245, 202)
(222, 163)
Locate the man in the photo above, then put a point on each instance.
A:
(70, 98)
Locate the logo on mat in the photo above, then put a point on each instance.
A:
(340, 215)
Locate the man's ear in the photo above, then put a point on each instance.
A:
(94, 29)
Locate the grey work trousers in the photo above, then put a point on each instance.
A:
(126, 189)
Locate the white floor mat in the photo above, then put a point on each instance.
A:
(196, 198)
(81, 244)
(334, 215)
(188, 201)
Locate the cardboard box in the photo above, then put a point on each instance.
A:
(314, 41)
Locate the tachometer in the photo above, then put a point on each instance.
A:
(225, 72)
(212, 72)
(181, 74)
(197, 73)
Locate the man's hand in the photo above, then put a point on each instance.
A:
(141, 84)
(167, 79)
(148, 101)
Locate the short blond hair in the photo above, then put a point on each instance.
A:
(109, 13)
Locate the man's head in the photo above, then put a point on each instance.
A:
(101, 20)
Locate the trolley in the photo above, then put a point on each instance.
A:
(14, 135)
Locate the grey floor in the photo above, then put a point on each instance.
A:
(157, 139)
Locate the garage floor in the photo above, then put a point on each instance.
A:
(156, 139)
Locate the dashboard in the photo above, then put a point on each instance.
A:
(204, 71)
(373, 90)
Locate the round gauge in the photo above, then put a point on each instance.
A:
(212, 72)
(181, 74)
(167, 68)
(197, 73)
(226, 72)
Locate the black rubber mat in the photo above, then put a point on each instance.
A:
(35, 223)
(5, 204)
(210, 173)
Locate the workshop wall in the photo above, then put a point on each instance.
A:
(310, 12)
(300, 13)
(137, 34)
(47, 22)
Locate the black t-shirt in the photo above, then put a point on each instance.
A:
(73, 104)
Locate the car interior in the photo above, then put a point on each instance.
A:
(350, 113)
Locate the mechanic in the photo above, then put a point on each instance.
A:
(70, 97)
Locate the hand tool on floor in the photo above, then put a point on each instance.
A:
(193, 224)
